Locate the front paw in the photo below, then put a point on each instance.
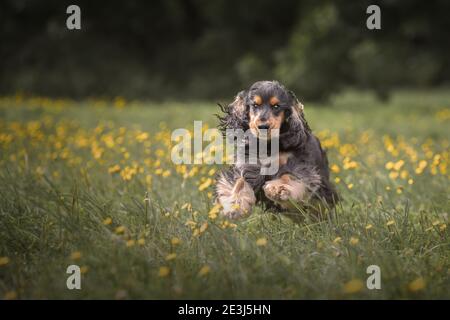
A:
(239, 201)
(276, 191)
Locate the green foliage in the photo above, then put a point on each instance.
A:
(203, 49)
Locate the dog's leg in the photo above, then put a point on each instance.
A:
(235, 195)
(286, 189)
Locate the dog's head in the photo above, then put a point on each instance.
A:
(266, 105)
(269, 104)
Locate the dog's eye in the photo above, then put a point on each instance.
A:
(276, 106)
(255, 105)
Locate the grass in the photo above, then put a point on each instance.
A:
(91, 183)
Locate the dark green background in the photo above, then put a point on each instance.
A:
(203, 49)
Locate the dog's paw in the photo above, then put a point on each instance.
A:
(284, 190)
(277, 191)
(239, 201)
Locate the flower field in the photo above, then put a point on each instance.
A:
(92, 183)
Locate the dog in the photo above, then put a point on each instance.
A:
(302, 180)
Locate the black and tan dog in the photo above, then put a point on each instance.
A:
(302, 180)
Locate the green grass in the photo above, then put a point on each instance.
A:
(59, 187)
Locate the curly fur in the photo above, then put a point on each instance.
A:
(306, 165)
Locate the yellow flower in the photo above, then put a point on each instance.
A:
(337, 180)
(393, 175)
(76, 255)
(369, 226)
(114, 169)
(399, 164)
(166, 173)
(417, 284)
(203, 227)
(350, 185)
(235, 206)
(4, 261)
(127, 173)
(196, 232)
(141, 242)
(214, 211)
(171, 256)
(390, 223)
(107, 221)
(442, 227)
(404, 174)
(119, 102)
(410, 181)
(120, 229)
(353, 286)
(389, 165)
(232, 225)
(187, 206)
(354, 241)
(175, 241)
(337, 240)
(204, 271)
(84, 269)
(422, 164)
(142, 137)
(261, 242)
(435, 223)
(163, 272)
(205, 184)
(349, 164)
(335, 168)
(131, 243)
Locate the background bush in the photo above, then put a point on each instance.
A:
(210, 49)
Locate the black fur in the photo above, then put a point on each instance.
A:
(308, 162)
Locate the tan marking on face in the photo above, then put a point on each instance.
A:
(253, 124)
(283, 158)
(257, 100)
(274, 101)
(274, 122)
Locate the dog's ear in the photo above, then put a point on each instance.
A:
(236, 114)
(296, 105)
(297, 127)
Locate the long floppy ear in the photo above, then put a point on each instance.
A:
(235, 114)
(298, 128)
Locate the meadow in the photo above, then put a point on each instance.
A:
(91, 183)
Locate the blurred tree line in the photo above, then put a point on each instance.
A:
(200, 49)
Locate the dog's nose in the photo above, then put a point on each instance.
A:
(263, 126)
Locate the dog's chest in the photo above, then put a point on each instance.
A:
(278, 160)
(283, 158)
